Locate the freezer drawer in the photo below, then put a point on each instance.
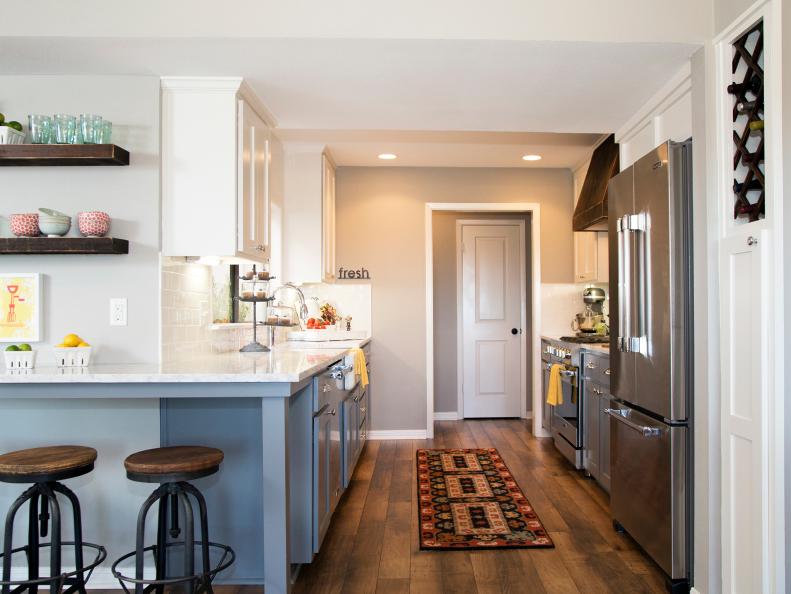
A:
(648, 493)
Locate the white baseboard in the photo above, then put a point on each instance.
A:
(694, 591)
(529, 414)
(446, 416)
(397, 434)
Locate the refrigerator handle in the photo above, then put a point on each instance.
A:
(624, 282)
(638, 225)
(630, 339)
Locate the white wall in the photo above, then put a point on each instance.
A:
(78, 289)
(666, 116)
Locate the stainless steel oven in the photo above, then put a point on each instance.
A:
(566, 418)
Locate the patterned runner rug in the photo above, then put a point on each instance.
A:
(468, 499)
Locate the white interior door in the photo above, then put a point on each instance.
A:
(491, 325)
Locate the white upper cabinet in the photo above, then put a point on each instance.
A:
(328, 217)
(590, 257)
(309, 214)
(217, 163)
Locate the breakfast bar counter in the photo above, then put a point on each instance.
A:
(256, 407)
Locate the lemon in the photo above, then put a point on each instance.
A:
(71, 340)
(60, 346)
(83, 344)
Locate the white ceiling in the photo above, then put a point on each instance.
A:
(566, 20)
(343, 84)
(448, 149)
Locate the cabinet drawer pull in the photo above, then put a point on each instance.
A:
(590, 365)
(326, 388)
(332, 412)
(607, 371)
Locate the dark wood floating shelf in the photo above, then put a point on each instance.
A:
(63, 245)
(49, 155)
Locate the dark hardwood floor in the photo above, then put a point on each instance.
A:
(372, 544)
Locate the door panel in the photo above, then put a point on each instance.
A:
(647, 471)
(652, 364)
(591, 431)
(490, 273)
(491, 307)
(744, 379)
(620, 192)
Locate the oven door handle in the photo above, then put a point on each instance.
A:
(642, 429)
(563, 372)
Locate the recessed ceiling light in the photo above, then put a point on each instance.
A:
(531, 157)
(388, 156)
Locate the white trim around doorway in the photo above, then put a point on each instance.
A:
(535, 285)
(522, 312)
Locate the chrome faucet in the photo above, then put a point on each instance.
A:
(303, 309)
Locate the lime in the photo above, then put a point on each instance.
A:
(25, 347)
(12, 347)
(2, 118)
(15, 125)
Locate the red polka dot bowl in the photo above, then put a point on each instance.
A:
(24, 225)
(93, 223)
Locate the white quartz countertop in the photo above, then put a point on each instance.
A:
(284, 364)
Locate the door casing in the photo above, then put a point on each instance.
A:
(535, 290)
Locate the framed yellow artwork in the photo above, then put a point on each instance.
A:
(20, 307)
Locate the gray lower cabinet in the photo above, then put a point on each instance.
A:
(596, 422)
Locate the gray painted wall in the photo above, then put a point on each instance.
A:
(77, 289)
(445, 310)
(381, 225)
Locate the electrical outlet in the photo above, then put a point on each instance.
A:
(118, 311)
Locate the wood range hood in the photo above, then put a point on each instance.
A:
(591, 211)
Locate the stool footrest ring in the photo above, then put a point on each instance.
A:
(87, 570)
(226, 560)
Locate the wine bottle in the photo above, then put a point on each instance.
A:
(755, 125)
(745, 106)
(752, 158)
(754, 84)
(753, 185)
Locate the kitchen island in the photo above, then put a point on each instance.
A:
(256, 407)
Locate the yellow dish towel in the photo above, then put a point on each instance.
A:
(555, 390)
(359, 366)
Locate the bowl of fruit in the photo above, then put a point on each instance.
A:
(11, 132)
(72, 352)
(20, 356)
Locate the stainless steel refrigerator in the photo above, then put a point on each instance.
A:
(651, 348)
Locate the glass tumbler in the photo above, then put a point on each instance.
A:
(65, 128)
(106, 135)
(90, 128)
(40, 128)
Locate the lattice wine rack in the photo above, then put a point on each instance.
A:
(749, 185)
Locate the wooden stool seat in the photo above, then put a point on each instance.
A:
(174, 463)
(52, 463)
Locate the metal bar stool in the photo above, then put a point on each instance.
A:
(172, 467)
(45, 467)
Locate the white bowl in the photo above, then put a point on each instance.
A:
(54, 227)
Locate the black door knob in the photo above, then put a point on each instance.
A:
(514, 331)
